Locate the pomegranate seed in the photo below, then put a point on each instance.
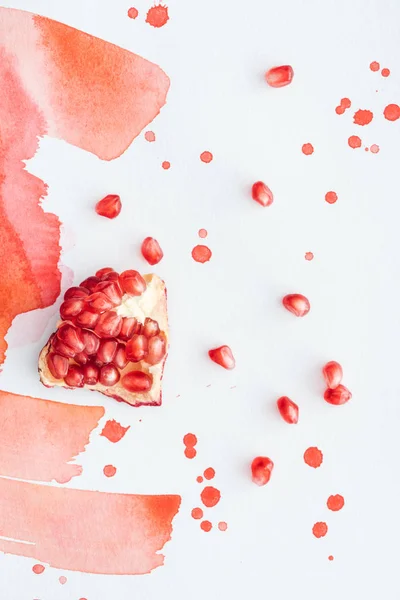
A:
(91, 341)
(99, 302)
(76, 292)
(61, 348)
(223, 356)
(71, 308)
(109, 207)
(132, 283)
(110, 289)
(91, 374)
(90, 283)
(296, 304)
(261, 469)
(107, 350)
(150, 327)
(120, 359)
(340, 395)
(137, 381)
(333, 374)
(81, 358)
(87, 319)
(109, 325)
(288, 409)
(74, 377)
(151, 251)
(71, 336)
(113, 276)
(109, 375)
(262, 194)
(58, 365)
(156, 349)
(130, 325)
(279, 76)
(136, 348)
(102, 272)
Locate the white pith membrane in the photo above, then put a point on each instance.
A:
(153, 304)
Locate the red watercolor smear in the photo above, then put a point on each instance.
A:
(222, 526)
(313, 457)
(63, 580)
(392, 112)
(166, 165)
(39, 437)
(206, 526)
(363, 117)
(340, 110)
(331, 197)
(209, 473)
(206, 156)
(190, 452)
(150, 136)
(354, 141)
(210, 496)
(109, 470)
(199, 479)
(320, 529)
(374, 66)
(309, 256)
(190, 439)
(330, 557)
(201, 253)
(366, 149)
(157, 16)
(374, 149)
(38, 569)
(133, 12)
(385, 72)
(345, 102)
(203, 233)
(81, 530)
(335, 502)
(197, 513)
(307, 149)
(114, 431)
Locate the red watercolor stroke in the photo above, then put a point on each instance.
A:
(114, 431)
(80, 530)
(40, 437)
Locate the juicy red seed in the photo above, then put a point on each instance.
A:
(223, 356)
(111, 290)
(113, 276)
(91, 341)
(157, 348)
(98, 302)
(76, 292)
(109, 207)
(130, 326)
(74, 377)
(107, 350)
(279, 76)
(261, 469)
(136, 348)
(132, 282)
(58, 365)
(71, 308)
(109, 375)
(120, 359)
(288, 409)
(109, 325)
(90, 283)
(296, 304)
(102, 272)
(90, 374)
(137, 381)
(151, 251)
(262, 194)
(150, 327)
(81, 358)
(333, 374)
(61, 348)
(87, 319)
(340, 395)
(71, 336)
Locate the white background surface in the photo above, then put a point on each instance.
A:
(215, 53)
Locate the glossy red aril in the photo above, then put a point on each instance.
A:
(157, 349)
(98, 302)
(151, 251)
(137, 381)
(71, 336)
(90, 373)
(296, 304)
(90, 283)
(74, 377)
(132, 282)
(340, 395)
(130, 326)
(91, 341)
(76, 292)
(333, 374)
(136, 348)
(71, 308)
(107, 350)
(60, 348)
(58, 365)
(81, 358)
(261, 469)
(109, 325)
(87, 319)
(150, 327)
(109, 207)
(279, 76)
(101, 273)
(111, 290)
(223, 356)
(262, 194)
(289, 411)
(109, 375)
(120, 360)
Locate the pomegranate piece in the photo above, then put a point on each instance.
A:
(157, 349)
(333, 374)
(106, 351)
(87, 319)
(150, 327)
(58, 365)
(262, 194)
(137, 381)
(261, 469)
(109, 375)
(90, 283)
(109, 207)
(223, 356)
(81, 358)
(296, 304)
(60, 348)
(151, 251)
(90, 373)
(76, 292)
(120, 360)
(98, 302)
(109, 325)
(340, 395)
(71, 308)
(74, 377)
(130, 326)
(101, 273)
(91, 341)
(71, 336)
(132, 283)
(289, 411)
(136, 348)
(111, 290)
(279, 76)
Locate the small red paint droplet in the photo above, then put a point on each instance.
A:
(38, 569)
(309, 256)
(190, 452)
(330, 557)
(375, 148)
(199, 479)
(340, 110)
(166, 165)
(206, 525)
(222, 526)
(62, 580)
(313, 457)
(279, 76)
(114, 431)
(335, 503)
(345, 102)
(374, 66)
(307, 149)
(392, 112)
(201, 253)
(385, 72)
(190, 439)
(366, 149)
(320, 529)
(133, 13)
(206, 156)
(210, 496)
(331, 197)
(209, 473)
(150, 136)
(363, 117)
(203, 233)
(354, 141)
(157, 16)
(109, 471)
(197, 513)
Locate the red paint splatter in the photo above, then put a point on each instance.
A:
(330, 557)
(210, 496)
(114, 431)
(201, 254)
(335, 502)
(354, 141)
(313, 457)
(203, 233)
(392, 112)
(345, 102)
(331, 197)
(190, 439)
(206, 156)
(197, 513)
(363, 117)
(190, 452)
(150, 136)
(209, 473)
(366, 149)
(340, 110)
(199, 479)
(375, 148)
(109, 470)
(309, 256)
(157, 16)
(222, 526)
(307, 149)
(385, 72)
(206, 526)
(166, 165)
(320, 529)
(38, 569)
(133, 12)
(374, 66)
(63, 580)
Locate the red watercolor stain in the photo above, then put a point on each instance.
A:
(206, 156)
(197, 513)
(133, 13)
(366, 149)
(166, 165)
(309, 256)
(190, 439)
(157, 16)
(199, 479)
(109, 471)
(222, 526)
(206, 526)
(345, 102)
(38, 569)
(203, 233)
(330, 557)
(320, 529)
(335, 502)
(354, 141)
(307, 149)
(209, 473)
(313, 457)
(331, 197)
(375, 148)
(340, 110)
(210, 496)
(150, 136)
(374, 66)
(363, 117)
(114, 431)
(201, 254)
(63, 580)
(190, 452)
(385, 72)
(392, 112)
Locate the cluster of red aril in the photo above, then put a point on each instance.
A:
(94, 344)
